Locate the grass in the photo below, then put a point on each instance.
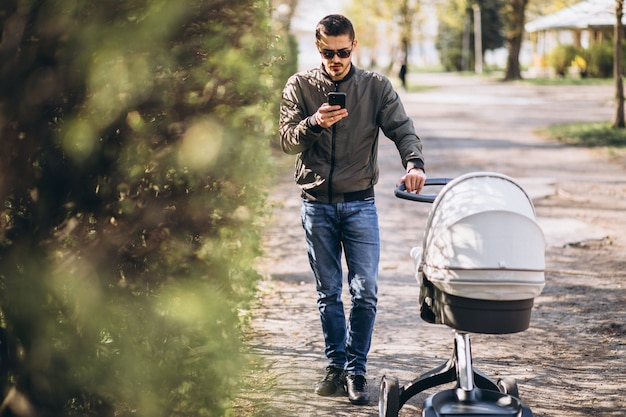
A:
(592, 135)
(588, 134)
(548, 81)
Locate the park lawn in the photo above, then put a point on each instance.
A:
(593, 135)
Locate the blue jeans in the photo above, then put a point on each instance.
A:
(351, 227)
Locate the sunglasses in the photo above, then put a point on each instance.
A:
(342, 53)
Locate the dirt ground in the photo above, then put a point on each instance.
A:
(570, 362)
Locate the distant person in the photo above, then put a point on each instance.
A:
(403, 74)
(337, 169)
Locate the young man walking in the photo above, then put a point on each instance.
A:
(336, 169)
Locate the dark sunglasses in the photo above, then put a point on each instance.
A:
(342, 53)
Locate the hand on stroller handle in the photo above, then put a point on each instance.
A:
(401, 191)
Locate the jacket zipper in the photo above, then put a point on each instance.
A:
(332, 166)
(332, 159)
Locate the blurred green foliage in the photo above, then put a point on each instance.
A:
(453, 16)
(561, 57)
(595, 61)
(597, 134)
(134, 140)
(600, 57)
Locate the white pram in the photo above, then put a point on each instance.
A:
(479, 269)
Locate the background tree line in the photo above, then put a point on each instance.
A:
(502, 23)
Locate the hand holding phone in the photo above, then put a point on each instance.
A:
(337, 98)
(326, 117)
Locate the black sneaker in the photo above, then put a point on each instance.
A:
(334, 379)
(356, 385)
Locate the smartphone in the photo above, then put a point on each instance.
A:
(337, 98)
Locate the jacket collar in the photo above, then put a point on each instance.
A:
(349, 75)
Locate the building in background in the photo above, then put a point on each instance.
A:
(579, 25)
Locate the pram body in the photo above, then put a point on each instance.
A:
(479, 269)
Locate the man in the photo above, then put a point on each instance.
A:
(336, 169)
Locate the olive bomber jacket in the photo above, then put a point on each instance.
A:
(342, 159)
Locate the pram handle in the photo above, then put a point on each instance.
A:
(401, 191)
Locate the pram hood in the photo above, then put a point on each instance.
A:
(482, 242)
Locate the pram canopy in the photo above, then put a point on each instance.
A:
(479, 269)
(482, 241)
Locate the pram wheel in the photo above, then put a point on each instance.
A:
(389, 397)
(508, 385)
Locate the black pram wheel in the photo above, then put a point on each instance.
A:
(389, 397)
(508, 385)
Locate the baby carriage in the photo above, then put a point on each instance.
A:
(479, 269)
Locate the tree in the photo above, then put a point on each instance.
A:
(492, 24)
(452, 24)
(285, 47)
(514, 14)
(374, 19)
(133, 132)
(537, 8)
(456, 25)
(406, 12)
(618, 118)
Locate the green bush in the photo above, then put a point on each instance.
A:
(560, 58)
(600, 60)
(596, 61)
(286, 64)
(134, 135)
(451, 53)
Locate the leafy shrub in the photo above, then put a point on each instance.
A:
(600, 61)
(133, 135)
(561, 57)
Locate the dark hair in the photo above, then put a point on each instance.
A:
(334, 25)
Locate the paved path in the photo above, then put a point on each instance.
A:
(467, 124)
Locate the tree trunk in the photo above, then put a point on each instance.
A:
(515, 17)
(618, 119)
(406, 14)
